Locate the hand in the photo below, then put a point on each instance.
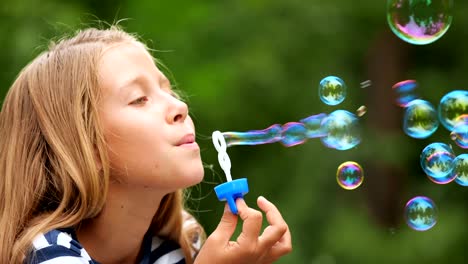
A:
(250, 247)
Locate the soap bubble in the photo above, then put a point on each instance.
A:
(419, 22)
(420, 213)
(342, 130)
(460, 169)
(460, 132)
(405, 92)
(420, 119)
(332, 90)
(294, 133)
(452, 107)
(437, 162)
(349, 175)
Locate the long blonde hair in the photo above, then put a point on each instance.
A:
(50, 136)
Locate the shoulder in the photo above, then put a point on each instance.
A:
(58, 246)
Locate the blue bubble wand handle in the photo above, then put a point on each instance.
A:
(232, 189)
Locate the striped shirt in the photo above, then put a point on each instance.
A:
(61, 246)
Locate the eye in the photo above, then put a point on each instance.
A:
(140, 101)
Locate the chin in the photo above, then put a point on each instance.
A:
(194, 176)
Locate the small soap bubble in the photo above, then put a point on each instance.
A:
(460, 169)
(460, 132)
(342, 129)
(419, 22)
(452, 107)
(294, 133)
(362, 110)
(421, 213)
(349, 175)
(405, 92)
(332, 90)
(437, 162)
(420, 119)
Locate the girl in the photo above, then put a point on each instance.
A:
(95, 149)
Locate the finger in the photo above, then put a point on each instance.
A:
(252, 222)
(226, 227)
(282, 247)
(277, 229)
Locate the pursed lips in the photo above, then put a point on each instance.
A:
(187, 139)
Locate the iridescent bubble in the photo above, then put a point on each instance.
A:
(349, 175)
(405, 92)
(420, 119)
(460, 169)
(313, 125)
(460, 132)
(452, 106)
(437, 162)
(342, 130)
(419, 22)
(332, 90)
(294, 133)
(421, 213)
(254, 137)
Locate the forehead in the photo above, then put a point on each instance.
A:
(122, 62)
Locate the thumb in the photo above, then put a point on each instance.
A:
(227, 225)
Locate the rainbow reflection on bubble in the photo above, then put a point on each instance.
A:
(349, 175)
(332, 90)
(452, 107)
(405, 92)
(290, 134)
(460, 132)
(437, 162)
(419, 22)
(421, 213)
(460, 169)
(342, 130)
(294, 133)
(420, 119)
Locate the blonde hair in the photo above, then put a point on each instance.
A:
(50, 136)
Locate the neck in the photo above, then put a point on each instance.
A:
(116, 234)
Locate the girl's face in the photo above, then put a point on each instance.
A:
(151, 138)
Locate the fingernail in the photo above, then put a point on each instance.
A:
(262, 197)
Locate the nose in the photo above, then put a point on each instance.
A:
(178, 111)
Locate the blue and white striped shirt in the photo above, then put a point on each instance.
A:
(60, 246)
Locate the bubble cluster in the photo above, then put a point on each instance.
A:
(420, 119)
(349, 175)
(342, 130)
(332, 90)
(419, 22)
(437, 162)
(405, 92)
(421, 213)
(460, 169)
(452, 107)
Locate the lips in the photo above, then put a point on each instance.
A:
(187, 139)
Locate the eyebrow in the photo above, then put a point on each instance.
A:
(141, 79)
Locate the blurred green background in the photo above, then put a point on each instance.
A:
(246, 65)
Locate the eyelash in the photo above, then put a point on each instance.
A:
(140, 101)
